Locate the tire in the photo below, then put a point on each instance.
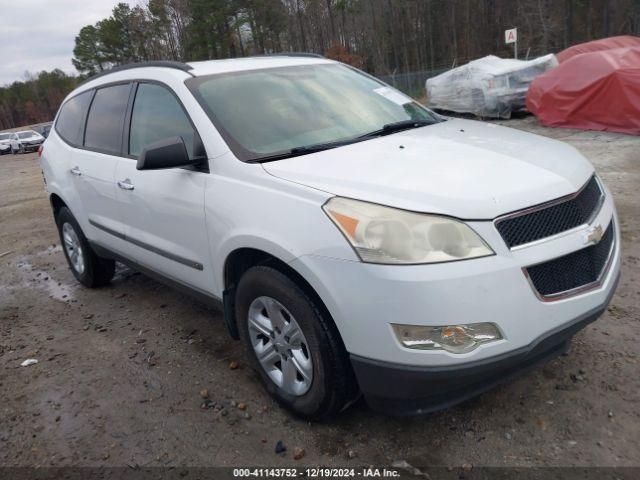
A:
(89, 269)
(333, 386)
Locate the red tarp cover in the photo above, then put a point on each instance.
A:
(598, 45)
(591, 91)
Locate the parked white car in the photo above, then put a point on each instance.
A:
(356, 241)
(23, 141)
(11, 138)
(29, 141)
(5, 142)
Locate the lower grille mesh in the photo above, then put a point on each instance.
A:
(574, 270)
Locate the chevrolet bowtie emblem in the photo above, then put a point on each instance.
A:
(595, 234)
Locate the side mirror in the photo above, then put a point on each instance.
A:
(167, 153)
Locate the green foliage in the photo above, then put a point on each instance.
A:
(87, 55)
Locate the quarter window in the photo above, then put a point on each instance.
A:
(71, 118)
(106, 119)
(157, 115)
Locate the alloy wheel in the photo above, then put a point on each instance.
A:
(280, 346)
(73, 248)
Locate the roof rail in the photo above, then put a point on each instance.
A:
(155, 63)
(293, 54)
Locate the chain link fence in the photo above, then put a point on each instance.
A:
(412, 83)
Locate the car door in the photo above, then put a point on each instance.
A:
(163, 210)
(93, 166)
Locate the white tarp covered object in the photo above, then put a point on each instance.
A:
(487, 87)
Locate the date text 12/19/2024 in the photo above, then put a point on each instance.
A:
(319, 472)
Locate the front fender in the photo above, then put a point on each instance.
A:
(248, 208)
(258, 240)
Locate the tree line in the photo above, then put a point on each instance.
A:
(381, 36)
(34, 100)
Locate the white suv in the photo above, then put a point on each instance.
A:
(356, 241)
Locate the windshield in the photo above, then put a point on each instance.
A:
(5, 136)
(265, 113)
(27, 134)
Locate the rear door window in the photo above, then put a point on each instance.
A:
(106, 119)
(157, 115)
(71, 118)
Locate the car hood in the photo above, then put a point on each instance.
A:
(32, 138)
(462, 168)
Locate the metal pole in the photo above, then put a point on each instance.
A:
(515, 48)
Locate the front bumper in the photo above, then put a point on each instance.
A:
(406, 390)
(32, 147)
(365, 299)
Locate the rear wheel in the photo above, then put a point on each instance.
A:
(89, 269)
(296, 350)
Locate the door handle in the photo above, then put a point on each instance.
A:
(76, 171)
(125, 184)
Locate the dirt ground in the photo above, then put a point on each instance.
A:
(121, 368)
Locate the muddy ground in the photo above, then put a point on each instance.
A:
(121, 368)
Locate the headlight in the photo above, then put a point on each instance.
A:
(452, 338)
(391, 236)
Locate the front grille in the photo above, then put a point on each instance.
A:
(574, 270)
(551, 218)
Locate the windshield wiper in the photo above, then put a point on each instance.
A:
(390, 128)
(297, 151)
(318, 147)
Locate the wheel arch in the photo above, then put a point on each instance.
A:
(56, 203)
(242, 259)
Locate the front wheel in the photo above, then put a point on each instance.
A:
(89, 269)
(294, 348)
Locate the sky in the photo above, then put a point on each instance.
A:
(38, 35)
